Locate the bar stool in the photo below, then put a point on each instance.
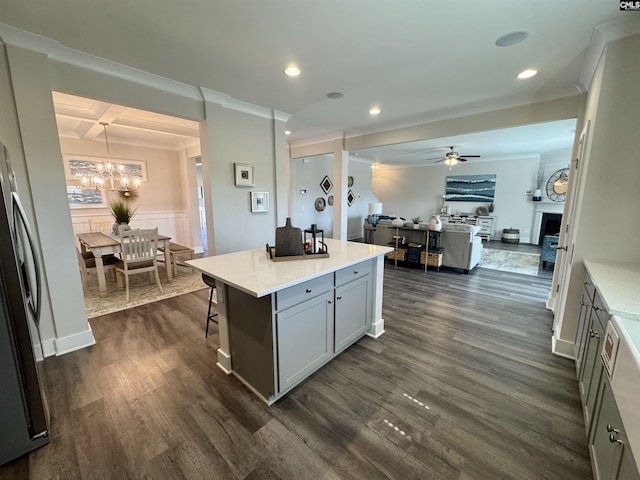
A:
(210, 318)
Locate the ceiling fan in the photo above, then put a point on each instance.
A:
(452, 157)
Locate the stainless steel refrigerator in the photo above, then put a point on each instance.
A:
(24, 415)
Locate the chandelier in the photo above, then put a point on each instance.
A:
(110, 175)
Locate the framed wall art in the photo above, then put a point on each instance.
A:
(326, 184)
(243, 174)
(77, 166)
(85, 197)
(259, 202)
(470, 188)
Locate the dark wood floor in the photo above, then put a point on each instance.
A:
(462, 385)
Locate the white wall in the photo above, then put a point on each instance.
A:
(307, 173)
(610, 172)
(418, 191)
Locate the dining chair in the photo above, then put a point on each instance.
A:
(87, 262)
(101, 224)
(138, 255)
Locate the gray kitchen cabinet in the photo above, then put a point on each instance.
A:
(352, 312)
(305, 338)
(589, 337)
(591, 369)
(584, 316)
(611, 457)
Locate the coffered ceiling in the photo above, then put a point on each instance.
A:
(79, 118)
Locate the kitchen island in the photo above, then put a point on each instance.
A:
(281, 321)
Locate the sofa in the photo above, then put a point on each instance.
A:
(462, 248)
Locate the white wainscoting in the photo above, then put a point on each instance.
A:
(172, 224)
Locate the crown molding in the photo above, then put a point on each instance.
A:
(21, 38)
(226, 101)
(69, 56)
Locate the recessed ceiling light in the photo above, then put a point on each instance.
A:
(334, 95)
(510, 39)
(374, 111)
(292, 71)
(528, 73)
(287, 132)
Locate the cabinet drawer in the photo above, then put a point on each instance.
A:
(600, 310)
(304, 291)
(354, 272)
(485, 221)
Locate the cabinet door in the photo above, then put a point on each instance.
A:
(611, 455)
(628, 469)
(304, 338)
(353, 312)
(582, 332)
(591, 368)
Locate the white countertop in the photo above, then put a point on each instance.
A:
(619, 287)
(253, 272)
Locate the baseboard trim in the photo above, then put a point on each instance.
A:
(224, 362)
(48, 348)
(562, 348)
(376, 329)
(74, 342)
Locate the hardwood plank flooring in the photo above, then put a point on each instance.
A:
(462, 385)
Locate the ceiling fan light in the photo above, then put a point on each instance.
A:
(528, 73)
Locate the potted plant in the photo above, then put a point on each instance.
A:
(416, 222)
(122, 214)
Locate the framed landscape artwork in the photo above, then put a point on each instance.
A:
(85, 197)
(470, 188)
(76, 166)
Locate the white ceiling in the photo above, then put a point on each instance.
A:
(419, 60)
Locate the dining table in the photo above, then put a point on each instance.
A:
(101, 244)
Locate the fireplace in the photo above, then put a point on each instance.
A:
(550, 225)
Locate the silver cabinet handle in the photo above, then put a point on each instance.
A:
(593, 333)
(308, 290)
(611, 429)
(614, 439)
(355, 272)
(339, 298)
(597, 309)
(330, 302)
(562, 248)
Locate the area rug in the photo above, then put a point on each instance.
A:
(508, 261)
(141, 291)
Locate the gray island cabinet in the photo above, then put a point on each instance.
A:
(281, 321)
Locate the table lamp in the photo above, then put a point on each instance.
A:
(375, 209)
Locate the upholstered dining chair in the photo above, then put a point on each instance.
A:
(87, 262)
(138, 255)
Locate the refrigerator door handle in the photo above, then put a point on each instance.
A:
(20, 215)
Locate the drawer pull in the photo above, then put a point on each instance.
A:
(330, 302)
(355, 272)
(308, 290)
(339, 298)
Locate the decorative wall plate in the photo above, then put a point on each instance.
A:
(482, 211)
(350, 198)
(330, 200)
(326, 184)
(320, 204)
(350, 181)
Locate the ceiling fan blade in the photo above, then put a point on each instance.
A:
(471, 156)
(437, 161)
(460, 159)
